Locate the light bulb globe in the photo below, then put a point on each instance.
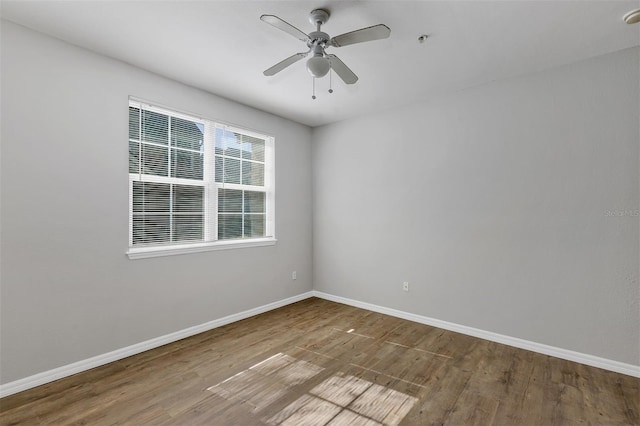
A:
(318, 66)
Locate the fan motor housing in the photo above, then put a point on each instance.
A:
(317, 37)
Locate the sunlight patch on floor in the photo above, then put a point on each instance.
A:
(338, 400)
(346, 400)
(265, 382)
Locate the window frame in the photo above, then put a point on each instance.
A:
(210, 213)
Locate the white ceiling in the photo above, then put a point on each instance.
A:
(223, 47)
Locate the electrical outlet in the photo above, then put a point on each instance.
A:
(294, 275)
(405, 286)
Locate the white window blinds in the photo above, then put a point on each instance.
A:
(194, 181)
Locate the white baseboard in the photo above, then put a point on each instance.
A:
(96, 361)
(594, 361)
(87, 364)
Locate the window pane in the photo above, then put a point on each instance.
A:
(254, 202)
(188, 198)
(150, 229)
(229, 201)
(188, 227)
(254, 225)
(228, 143)
(186, 164)
(151, 197)
(186, 134)
(134, 157)
(252, 148)
(134, 123)
(252, 173)
(219, 166)
(155, 127)
(229, 226)
(231, 170)
(219, 141)
(154, 160)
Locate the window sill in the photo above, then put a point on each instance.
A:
(145, 252)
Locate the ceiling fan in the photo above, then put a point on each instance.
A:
(317, 41)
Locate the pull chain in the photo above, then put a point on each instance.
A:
(313, 93)
(330, 80)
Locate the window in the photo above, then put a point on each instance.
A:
(196, 184)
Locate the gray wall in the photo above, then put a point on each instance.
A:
(68, 290)
(492, 202)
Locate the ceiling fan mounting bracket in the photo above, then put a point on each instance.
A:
(318, 16)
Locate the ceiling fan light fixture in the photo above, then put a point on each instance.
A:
(318, 66)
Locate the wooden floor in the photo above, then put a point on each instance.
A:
(317, 362)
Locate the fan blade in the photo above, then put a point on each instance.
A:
(376, 32)
(342, 70)
(285, 26)
(283, 64)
